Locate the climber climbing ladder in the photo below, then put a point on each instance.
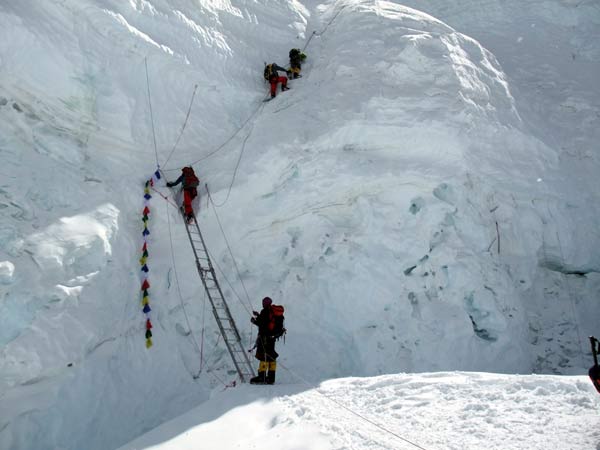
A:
(225, 321)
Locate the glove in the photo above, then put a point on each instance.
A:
(255, 313)
(253, 320)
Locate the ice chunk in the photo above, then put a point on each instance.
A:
(79, 244)
(7, 270)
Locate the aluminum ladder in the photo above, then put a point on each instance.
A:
(225, 321)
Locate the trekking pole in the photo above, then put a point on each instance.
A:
(593, 341)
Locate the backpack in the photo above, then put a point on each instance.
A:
(276, 321)
(190, 180)
(297, 55)
(268, 71)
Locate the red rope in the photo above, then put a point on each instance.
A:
(168, 200)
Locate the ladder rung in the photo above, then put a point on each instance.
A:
(224, 318)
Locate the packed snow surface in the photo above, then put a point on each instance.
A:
(461, 411)
(425, 198)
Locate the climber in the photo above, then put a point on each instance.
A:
(297, 57)
(594, 372)
(190, 183)
(272, 75)
(270, 327)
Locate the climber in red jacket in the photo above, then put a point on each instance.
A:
(190, 183)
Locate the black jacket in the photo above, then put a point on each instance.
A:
(176, 182)
(262, 321)
(274, 69)
(265, 344)
(181, 179)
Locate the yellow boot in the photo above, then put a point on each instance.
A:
(261, 378)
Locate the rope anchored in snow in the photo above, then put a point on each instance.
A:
(151, 114)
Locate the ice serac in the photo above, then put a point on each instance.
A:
(421, 168)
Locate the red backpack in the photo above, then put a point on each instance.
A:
(190, 180)
(276, 321)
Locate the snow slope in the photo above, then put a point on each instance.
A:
(406, 201)
(433, 411)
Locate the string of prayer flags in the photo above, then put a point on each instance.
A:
(144, 270)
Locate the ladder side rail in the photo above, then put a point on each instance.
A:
(218, 286)
(220, 325)
(194, 247)
(232, 323)
(202, 273)
(236, 363)
(210, 267)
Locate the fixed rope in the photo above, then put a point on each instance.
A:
(239, 129)
(203, 328)
(215, 205)
(237, 165)
(350, 410)
(187, 116)
(569, 290)
(229, 139)
(236, 132)
(187, 319)
(229, 247)
(151, 113)
(322, 32)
